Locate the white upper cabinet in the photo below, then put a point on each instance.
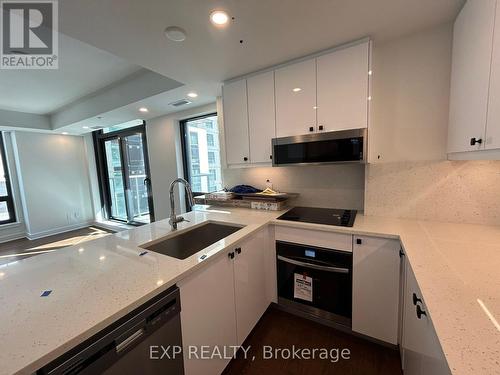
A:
(470, 76)
(342, 78)
(261, 116)
(236, 122)
(376, 287)
(295, 93)
(493, 121)
(326, 93)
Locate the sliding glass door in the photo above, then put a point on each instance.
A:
(124, 174)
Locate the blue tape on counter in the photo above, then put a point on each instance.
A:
(143, 253)
(46, 293)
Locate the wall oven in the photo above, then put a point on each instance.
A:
(318, 148)
(315, 281)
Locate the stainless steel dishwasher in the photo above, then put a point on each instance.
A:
(125, 346)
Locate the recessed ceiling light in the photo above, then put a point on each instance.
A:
(143, 109)
(297, 89)
(192, 94)
(219, 17)
(175, 33)
(64, 133)
(85, 127)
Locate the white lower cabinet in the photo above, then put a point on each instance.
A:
(250, 283)
(207, 314)
(221, 303)
(376, 287)
(422, 353)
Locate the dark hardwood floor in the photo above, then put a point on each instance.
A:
(23, 248)
(279, 329)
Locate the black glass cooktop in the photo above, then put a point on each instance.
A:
(316, 215)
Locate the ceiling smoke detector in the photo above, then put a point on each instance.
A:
(175, 33)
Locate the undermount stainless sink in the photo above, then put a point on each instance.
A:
(190, 241)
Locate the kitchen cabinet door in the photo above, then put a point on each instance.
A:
(207, 314)
(422, 352)
(493, 122)
(342, 78)
(236, 122)
(295, 90)
(261, 118)
(375, 287)
(470, 75)
(251, 295)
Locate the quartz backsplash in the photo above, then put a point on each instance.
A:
(450, 191)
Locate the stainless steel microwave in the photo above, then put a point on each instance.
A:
(342, 146)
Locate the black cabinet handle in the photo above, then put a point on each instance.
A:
(311, 128)
(245, 158)
(473, 141)
(271, 157)
(420, 312)
(320, 127)
(238, 250)
(358, 241)
(416, 299)
(230, 255)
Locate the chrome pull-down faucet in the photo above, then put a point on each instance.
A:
(173, 217)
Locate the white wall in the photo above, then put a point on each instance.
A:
(165, 156)
(54, 182)
(410, 97)
(98, 210)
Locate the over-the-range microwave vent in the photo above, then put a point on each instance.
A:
(179, 102)
(96, 127)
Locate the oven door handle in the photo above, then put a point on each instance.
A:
(314, 266)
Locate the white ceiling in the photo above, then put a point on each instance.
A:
(273, 31)
(83, 69)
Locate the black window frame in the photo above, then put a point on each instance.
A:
(184, 134)
(9, 199)
(102, 172)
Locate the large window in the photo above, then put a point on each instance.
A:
(7, 214)
(201, 153)
(124, 175)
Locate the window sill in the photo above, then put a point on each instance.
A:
(10, 225)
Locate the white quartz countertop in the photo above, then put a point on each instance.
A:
(98, 282)
(457, 267)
